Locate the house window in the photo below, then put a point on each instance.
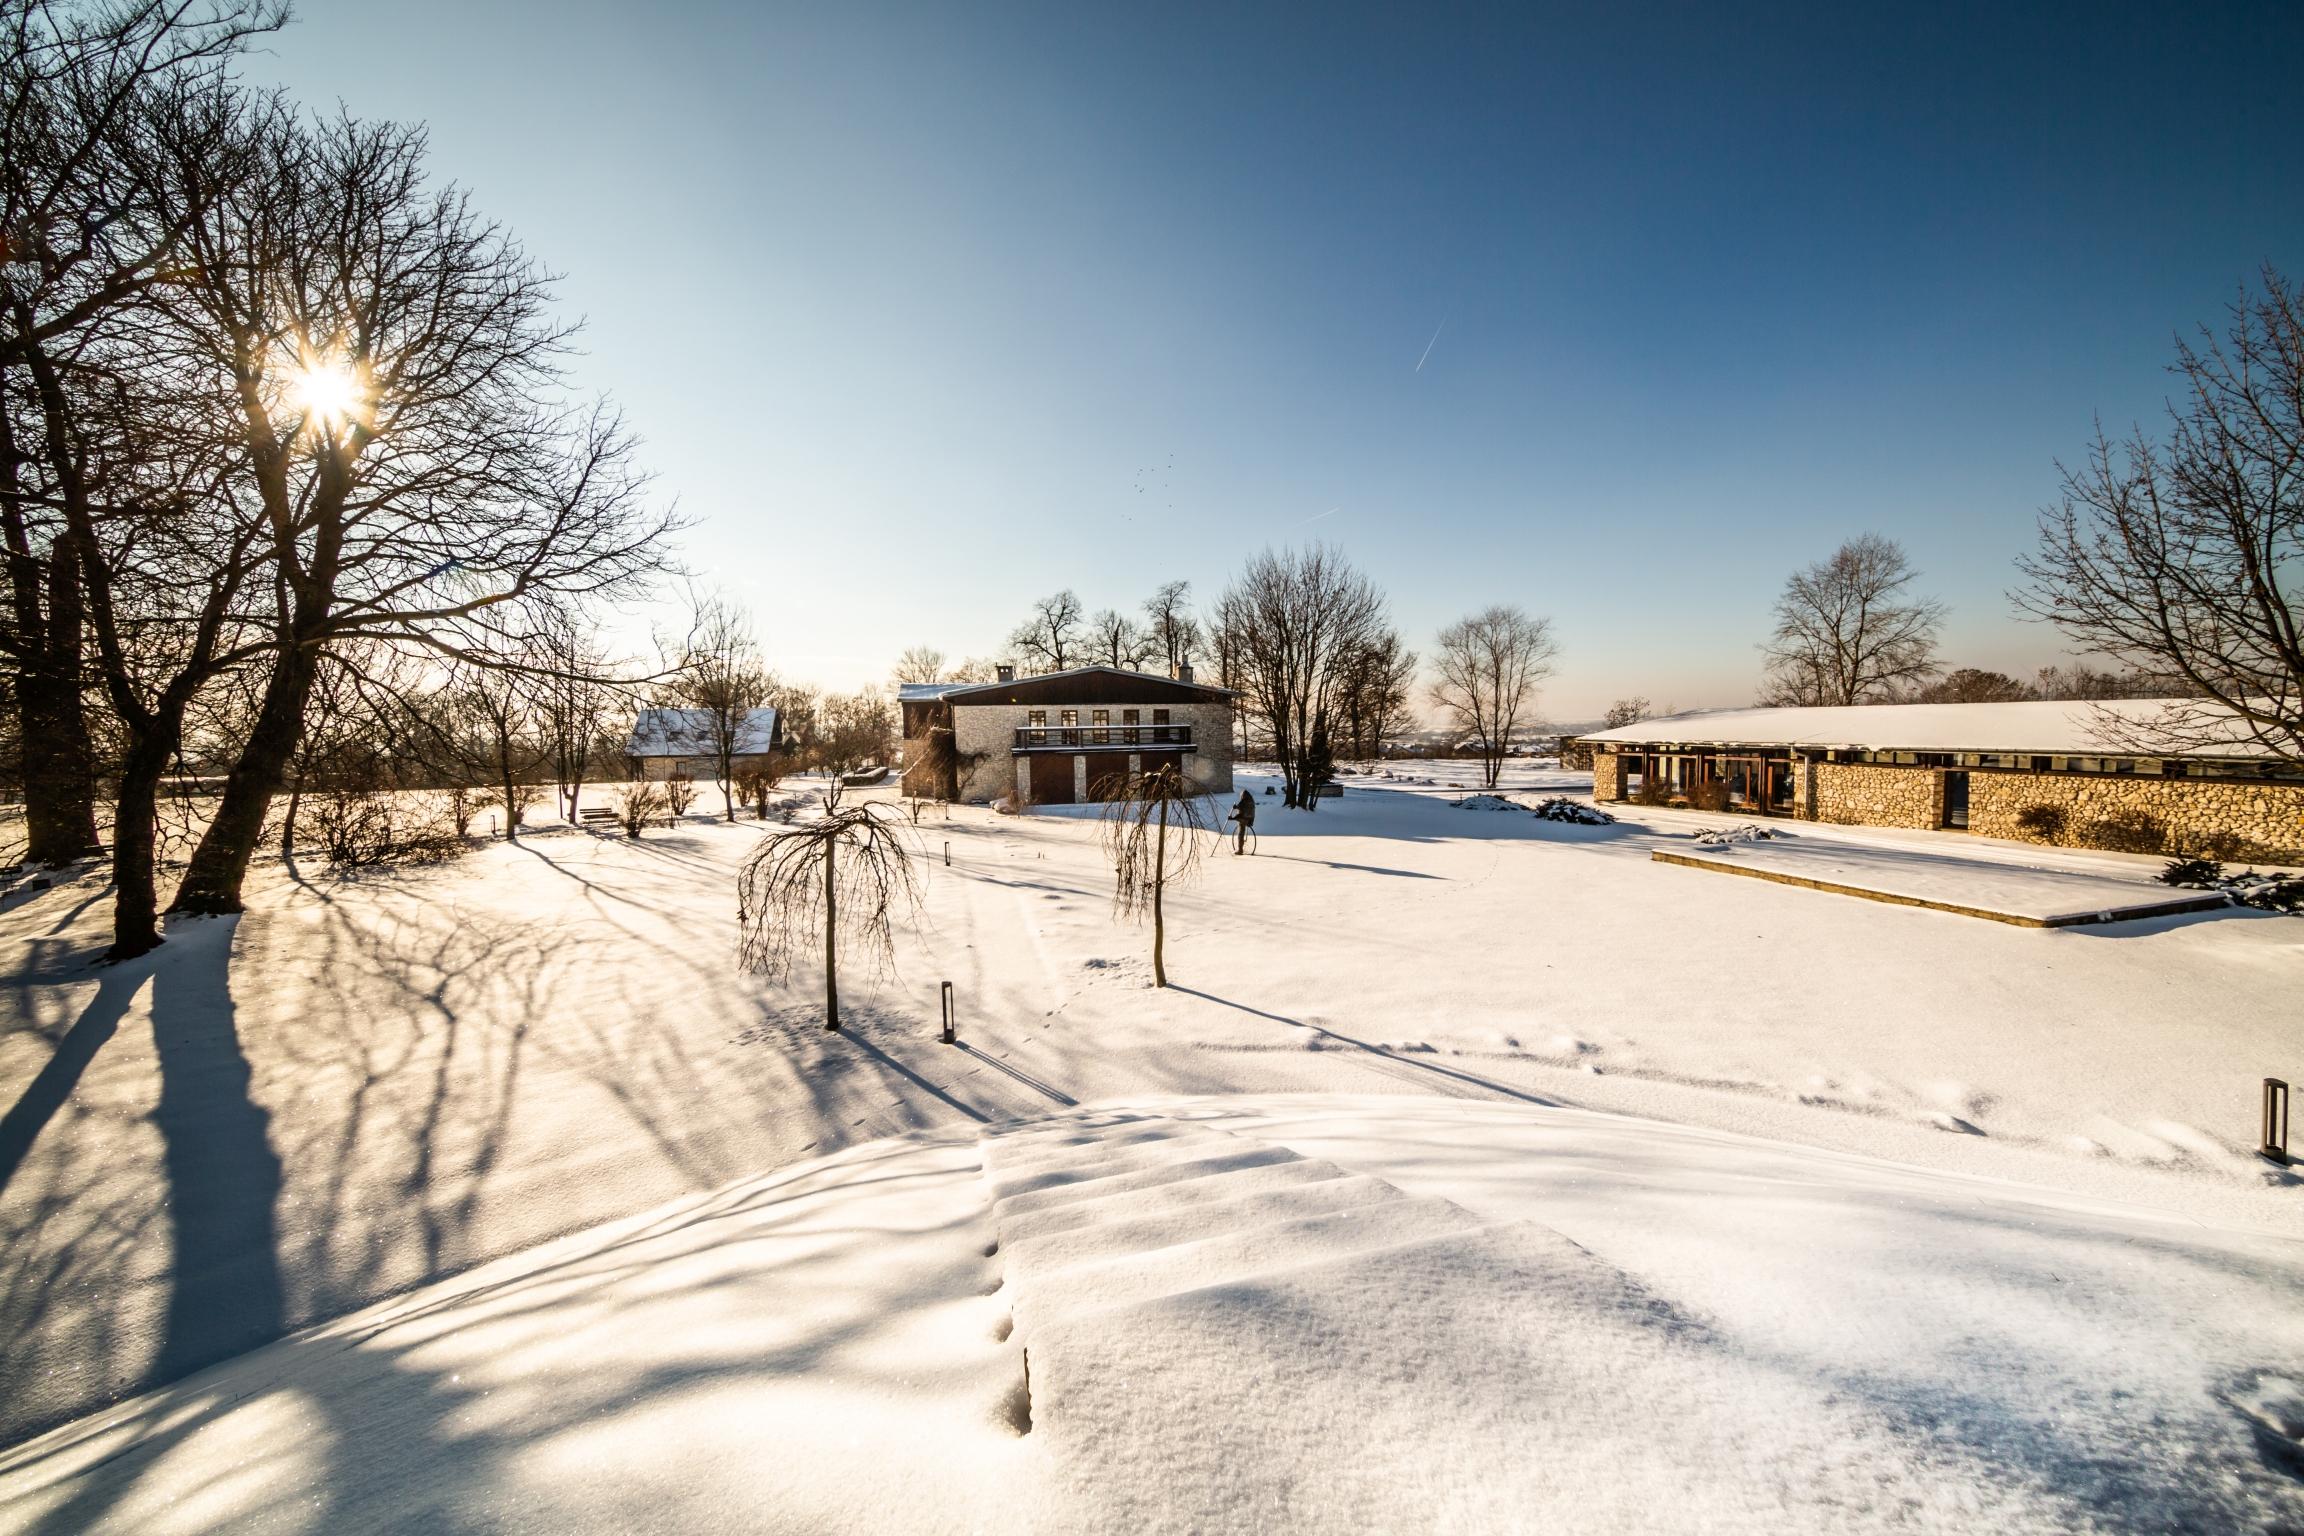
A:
(1071, 717)
(1130, 716)
(1102, 717)
(1036, 717)
(1159, 717)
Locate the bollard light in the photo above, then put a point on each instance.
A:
(947, 853)
(951, 1032)
(2275, 1147)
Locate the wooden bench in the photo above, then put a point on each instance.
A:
(587, 815)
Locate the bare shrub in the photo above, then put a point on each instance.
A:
(639, 803)
(679, 793)
(1708, 795)
(360, 829)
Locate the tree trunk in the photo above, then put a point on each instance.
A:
(1159, 880)
(59, 764)
(831, 941)
(220, 864)
(135, 827)
(288, 822)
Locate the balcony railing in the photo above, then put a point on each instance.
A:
(1092, 738)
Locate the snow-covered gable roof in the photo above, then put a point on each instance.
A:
(2054, 727)
(924, 693)
(688, 733)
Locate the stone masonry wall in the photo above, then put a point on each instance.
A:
(1607, 775)
(1878, 795)
(2259, 822)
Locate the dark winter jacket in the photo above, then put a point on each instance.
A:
(1245, 811)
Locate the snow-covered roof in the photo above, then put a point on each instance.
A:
(925, 693)
(2166, 727)
(689, 733)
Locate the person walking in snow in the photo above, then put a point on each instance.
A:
(1244, 815)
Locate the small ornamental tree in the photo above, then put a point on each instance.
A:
(1154, 826)
(847, 872)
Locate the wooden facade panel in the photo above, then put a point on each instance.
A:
(1051, 778)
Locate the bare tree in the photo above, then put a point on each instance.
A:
(853, 730)
(972, 669)
(1114, 640)
(396, 384)
(847, 874)
(1847, 632)
(1375, 694)
(919, 664)
(501, 707)
(1625, 712)
(1971, 685)
(2185, 557)
(2081, 681)
(578, 695)
(1289, 622)
(1172, 633)
(1154, 828)
(1051, 637)
(718, 685)
(101, 108)
(1489, 667)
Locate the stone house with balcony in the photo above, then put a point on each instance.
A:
(1062, 738)
(2138, 775)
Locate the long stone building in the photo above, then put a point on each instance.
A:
(2089, 775)
(1062, 737)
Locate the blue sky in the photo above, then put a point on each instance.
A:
(927, 310)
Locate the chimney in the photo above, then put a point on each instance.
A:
(1005, 672)
(1184, 672)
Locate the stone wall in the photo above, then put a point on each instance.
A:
(1607, 774)
(2228, 820)
(1878, 795)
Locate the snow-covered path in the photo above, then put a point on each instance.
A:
(363, 1086)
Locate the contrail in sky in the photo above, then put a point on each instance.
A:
(1435, 341)
(1315, 517)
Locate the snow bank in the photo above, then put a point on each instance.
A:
(1276, 1313)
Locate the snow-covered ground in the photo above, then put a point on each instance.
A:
(361, 1087)
(1291, 1313)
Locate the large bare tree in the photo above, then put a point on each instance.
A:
(1486, 673)
(1849, 631)
(2183, 556)
(101, 106)
(1289, 622)
(397, 383)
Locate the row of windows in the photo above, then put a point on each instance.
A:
(1096, 717)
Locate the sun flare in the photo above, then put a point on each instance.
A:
(326, 390)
